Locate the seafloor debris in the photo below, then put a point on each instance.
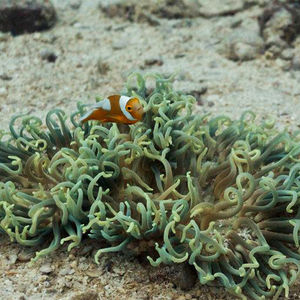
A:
(242, 45)
(21, 16)
(220, 195)
(149, 11)
(140, 11)
(280, 25)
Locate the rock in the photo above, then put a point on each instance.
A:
(151, 61)
(12, 258)
(198, 93)
(296, 62)
(183, 276)
(93, 274)
(243, 51)
(241, 44)
(287, 54)
(213, 8)
(66, 271)
(21, 16)
(112, 8)
(118, 45)
(48, 38)
(297, 43)
(210, 103)
(183, 23)
(280, 24)
(212, 98)
(26, 255)
(77, 25)
(83, 266)
(149, 18)
(47, 284)
(88, 295)
(283, 64)
(179, 55)
(274, 29)
(102, 66)
(86, 250)
(4, 36)
(4, 76)
(276, 50)
(176, 9)
(46, 268)
(75, 4)
(36, 36)
(48, 55)
(78, 36)
(188, 87)
(148, 11)
(3, 91)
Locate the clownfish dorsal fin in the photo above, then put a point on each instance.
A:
(103, 104)
(114, 97)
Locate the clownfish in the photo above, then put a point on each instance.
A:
(117, 109)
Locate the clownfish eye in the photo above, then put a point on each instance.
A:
(129, 108)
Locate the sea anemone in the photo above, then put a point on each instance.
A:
(179, 187)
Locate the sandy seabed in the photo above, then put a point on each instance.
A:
(95, 54)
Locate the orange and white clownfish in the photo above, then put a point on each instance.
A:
(117, 109)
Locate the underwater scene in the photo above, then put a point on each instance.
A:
(150, 149)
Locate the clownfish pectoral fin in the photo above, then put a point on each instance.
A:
(95, 115)
(115, 118)
(85, 117)
(90, 115)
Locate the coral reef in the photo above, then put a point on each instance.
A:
(220, 195)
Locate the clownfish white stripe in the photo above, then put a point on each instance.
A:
(104, 104)
(122, 102)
